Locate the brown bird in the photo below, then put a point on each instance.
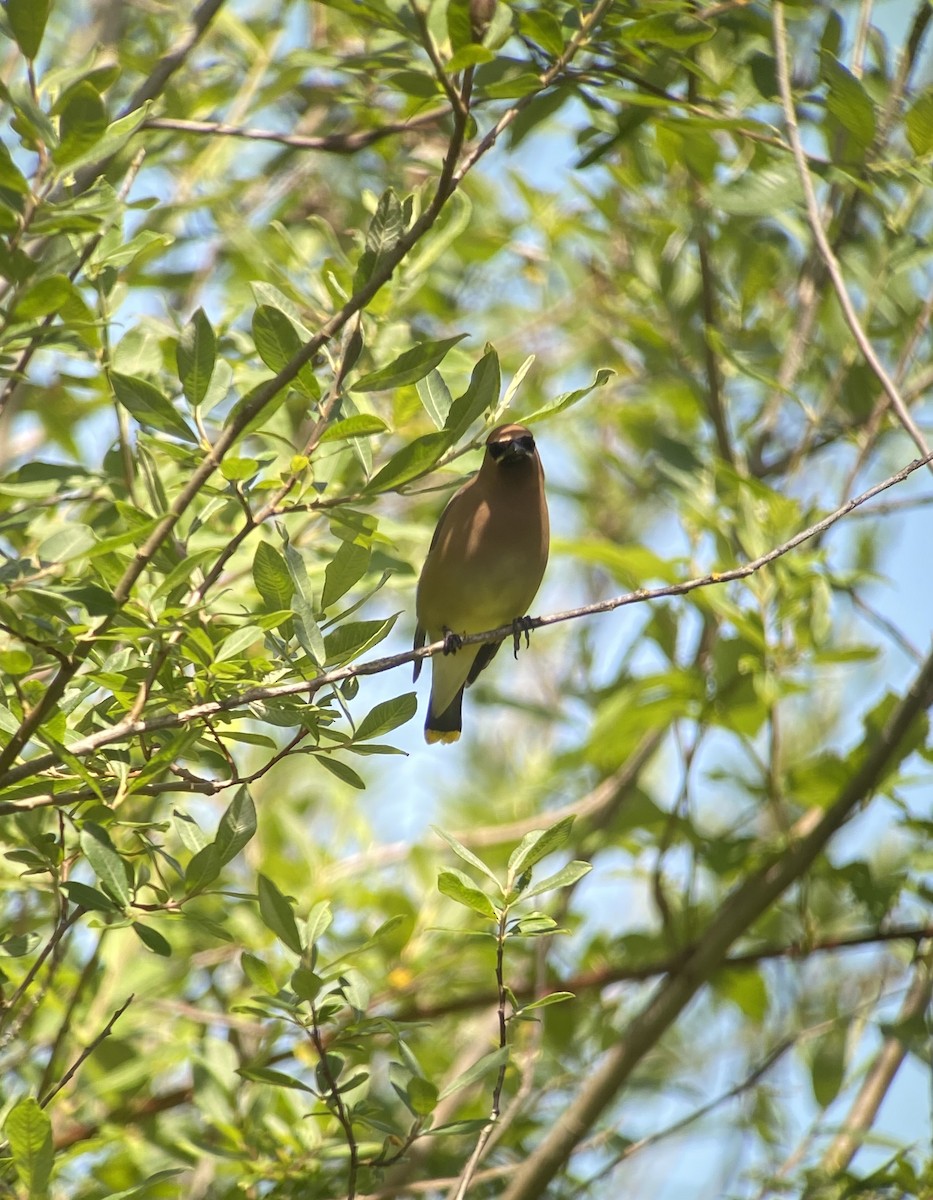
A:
(483, 569)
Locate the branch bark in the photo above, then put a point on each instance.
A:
(747, 903)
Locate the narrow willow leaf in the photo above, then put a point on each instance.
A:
(271, 577)
(195, 355)
(385, 228)
(480, 396)
(237, 826)
(29, 1132)
(538, 844)
(345, 569)
(462, 852)
(487, 1064)
(411, 461)
(105, 862)
(435, 396)
(150, 408)
(386, 716)
(409, 367)
(564, 878)
(456, 886)
(276, 913)
(360, 425)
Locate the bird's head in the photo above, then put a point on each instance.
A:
(509, 444)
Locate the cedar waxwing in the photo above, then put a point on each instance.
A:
(483, 569)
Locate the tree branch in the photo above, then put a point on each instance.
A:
(830, 261)
(132, 728)
(860, 1119)
(749, 901)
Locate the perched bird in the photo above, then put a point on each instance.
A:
(483, 569)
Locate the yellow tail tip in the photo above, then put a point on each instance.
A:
(446, 736)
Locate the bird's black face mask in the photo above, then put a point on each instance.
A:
(512, 451)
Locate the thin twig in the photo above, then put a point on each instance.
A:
(332, 143)
(453, 170)
(122, 729)
(86, 1052)
(830, 261)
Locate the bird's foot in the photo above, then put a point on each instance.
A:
(452, 641)
(521, 625)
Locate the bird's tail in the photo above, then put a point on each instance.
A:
(445, 726)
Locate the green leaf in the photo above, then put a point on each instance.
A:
(237, 826)
(919, 124)
(385, 229)
(275, 912)
(232, 647)
(458, 887)
(340, 769)
(847, 99)
(105, 861)
(307, 631)
(676, 31)
(44, 297)
(152, 939)
(347, 567)
(320, 919)
(409, 367)
(306, 984)
(271, 577)
(82, 123)
(545, 1002)
(827, 1067)
(27, 20)
(563, 878)
(277, 342)
(29, 1132)
(360, 425)
(566, 399)
(258, 973)
(435, 396)
(480, 396)
(195, 355)
(539, 844)
(422, 1096)
(88, 897)
(275, 1078)
(150, 408)
(412, 460)
(387, 715)
(353, 638)
(467, 855)
(544, 28)
(486, 1065)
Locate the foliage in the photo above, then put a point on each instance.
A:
(269, 274)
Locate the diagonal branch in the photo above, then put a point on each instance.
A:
(452, 173)
(747, 903)
(830, 261)
(865, 1107)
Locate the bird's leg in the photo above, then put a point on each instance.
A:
(452, 641)
(521, 625)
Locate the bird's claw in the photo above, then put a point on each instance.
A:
(452, 641)
(521, 625)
